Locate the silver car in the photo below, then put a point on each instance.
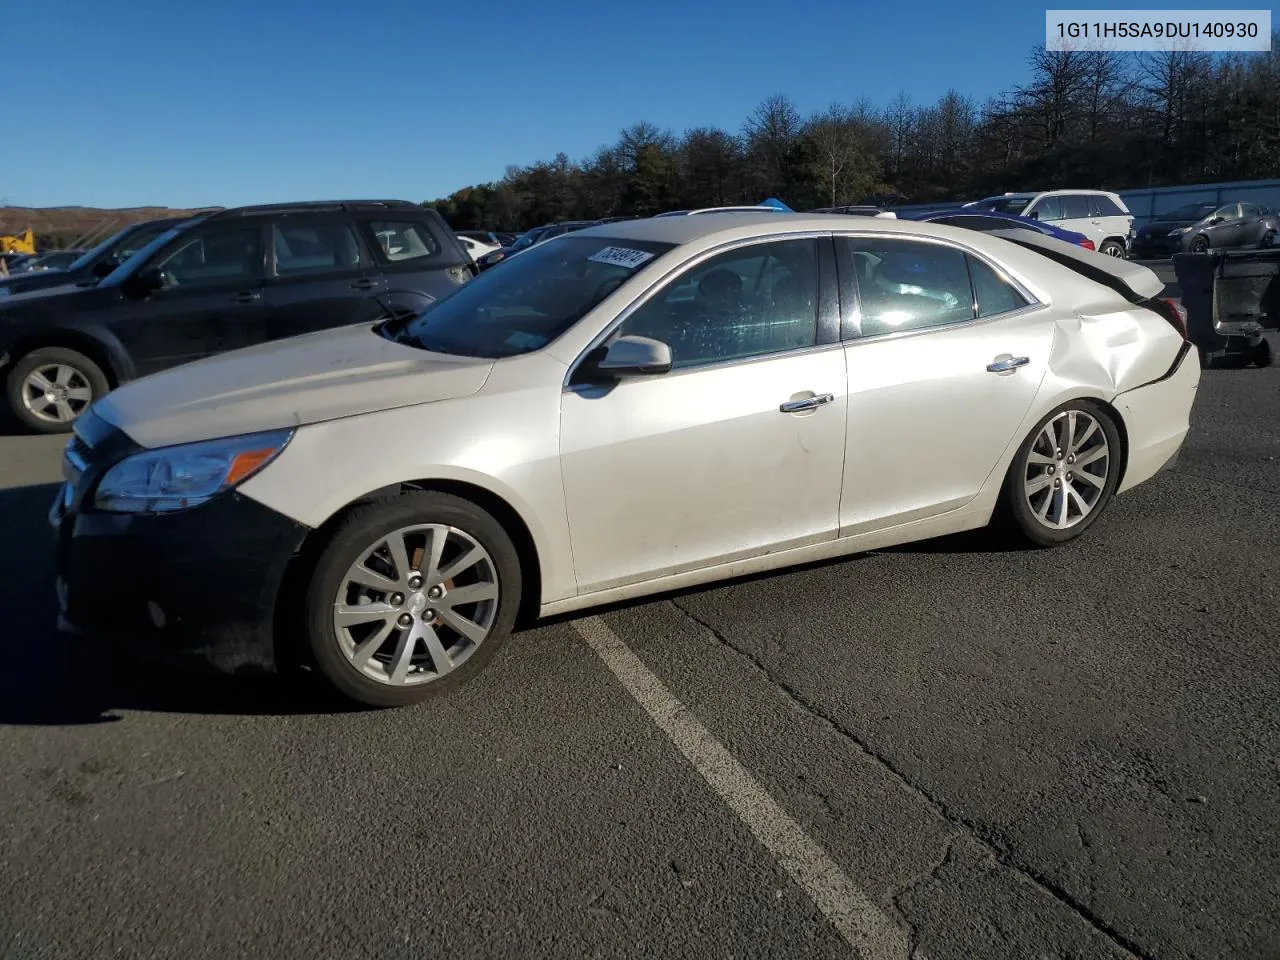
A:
(632, 408)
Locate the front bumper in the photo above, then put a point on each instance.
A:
(194, 588)
(1153, 247)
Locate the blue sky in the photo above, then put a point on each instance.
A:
(184, 103)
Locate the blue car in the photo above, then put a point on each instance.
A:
(991, 220)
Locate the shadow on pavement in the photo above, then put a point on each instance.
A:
(51, 678)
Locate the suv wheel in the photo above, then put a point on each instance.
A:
(1112, 248)
(50, 387)
(412, 597)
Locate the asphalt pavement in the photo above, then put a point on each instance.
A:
(949, 750)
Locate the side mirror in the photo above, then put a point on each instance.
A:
(1214, 221)
(632, 357)
(1034, 214)
(103, 267)
(144, 283)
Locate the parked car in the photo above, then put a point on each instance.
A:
(93, 265)
(492, 238)
(991, 220)
(11, 262)
(1198, 227)
(1099, 215)
(219, 281)
(475, 248)
(636, 407)
(531, 239)
(55, 260)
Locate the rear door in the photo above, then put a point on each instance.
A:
(417, 256)
(210, 301)
(1077, 216)
(945, 355)
(1109, 218)
(320, 276)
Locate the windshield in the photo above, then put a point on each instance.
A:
(529, 239)
(532, 300)
(1192, 211)
(143, 253)
(1013, 205)
(120, 246)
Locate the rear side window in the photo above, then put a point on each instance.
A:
(1250, 209)
(907, 284)
(306, 247)
(404, 240)
(993, 292)
(1075, 206)
(1100, 205)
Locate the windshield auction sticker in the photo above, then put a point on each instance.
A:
(621, 257)
(1157, 30)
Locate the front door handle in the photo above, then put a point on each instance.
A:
(1006, 363)
(812, 403)
(366, 283)
(249, 296)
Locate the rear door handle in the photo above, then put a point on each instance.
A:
(366, 283)
(1005, 363)
(249, 296)
(812, 403)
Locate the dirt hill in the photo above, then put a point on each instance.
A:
(57, 227)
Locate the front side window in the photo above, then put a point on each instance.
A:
(308, 247)
(530, 300)
(1049, 208)
(212, 257)
(1227, 212)
(1075, 206)
(749, 302)
(404, 240)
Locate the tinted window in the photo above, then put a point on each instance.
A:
(1226, 212)
(1100, 205)
(1193, 211)
(214, 256)
(404, 240)
(1250, 210)
(907, 285)
(1050, 208)
(531, 300)
(749, 302)
(1012, 205)
(1075, 207)
(310, 247)
(994, 292)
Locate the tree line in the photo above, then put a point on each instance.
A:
(1084, 119)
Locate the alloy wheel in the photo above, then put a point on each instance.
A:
(416, 604)
(56, 393)
(1066, 469)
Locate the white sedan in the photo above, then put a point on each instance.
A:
(631, 408)
(475, 247)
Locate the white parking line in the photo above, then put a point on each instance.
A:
(871, 933)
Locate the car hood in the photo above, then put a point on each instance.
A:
(41, 289)
(300, 380)
(1157, 226)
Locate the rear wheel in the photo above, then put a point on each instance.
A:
(1263, 355)
(412, 597)
(1063, 475)
(1268, 240)
(1112, 248)
(50, 387)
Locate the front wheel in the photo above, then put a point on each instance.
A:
(1112, 248)
(412, 596)
(1263, 355)
(1200, 244)
(50, 387)
(1268, 240)
(1063, 475)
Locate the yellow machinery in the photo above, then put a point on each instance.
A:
(15, 244)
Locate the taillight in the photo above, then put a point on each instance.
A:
(1087, 243)
(1172, 311)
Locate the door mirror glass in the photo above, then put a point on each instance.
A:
(1034, 214)
(1214, 221)
(634, 357)
(144, 283)
(103, 267)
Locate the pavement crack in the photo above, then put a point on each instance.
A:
(913, 936)
(979, 832)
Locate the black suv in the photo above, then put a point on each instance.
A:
(220, 281)
(92, 265)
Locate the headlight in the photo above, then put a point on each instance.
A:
(176, 478)
(1179, 231)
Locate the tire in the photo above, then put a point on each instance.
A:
(1112, 248)
(386, 678)
(1200, 244)
(1018, 509)
(1263, 355)
(1268, 240)
(80, 380)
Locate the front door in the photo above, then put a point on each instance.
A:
(321, 277)
(210, 300)
(945, 360)
(735, 452)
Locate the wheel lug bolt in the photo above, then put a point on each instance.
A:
(1069, 478)
(397, 599)
(404, 620)
(1051, 470)
(415, 582)
(428, 614)
(1071, 459)
(435, 593)
(1057, 483)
